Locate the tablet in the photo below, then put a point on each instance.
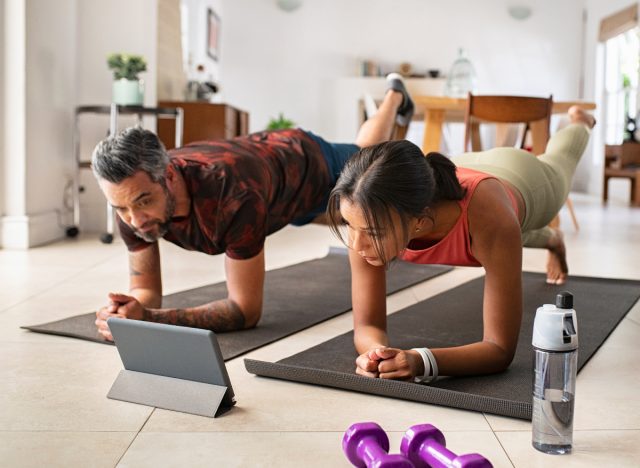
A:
(185, 353)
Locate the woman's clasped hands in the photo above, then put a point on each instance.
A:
(390, 363)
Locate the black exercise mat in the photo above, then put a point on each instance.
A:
(295, 297)
(454, 318)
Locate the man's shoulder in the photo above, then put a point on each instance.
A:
(197, 154)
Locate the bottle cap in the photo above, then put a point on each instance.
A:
(555, 328)
(564, 300)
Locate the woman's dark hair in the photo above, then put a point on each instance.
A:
(392, 177)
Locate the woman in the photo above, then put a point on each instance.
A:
(480, 211)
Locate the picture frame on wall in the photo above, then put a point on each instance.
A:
(213, 35)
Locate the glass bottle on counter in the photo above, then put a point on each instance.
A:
(461, 79)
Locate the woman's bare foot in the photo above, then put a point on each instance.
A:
(557, 268)
(578, 115)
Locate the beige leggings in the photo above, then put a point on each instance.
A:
(543, 181)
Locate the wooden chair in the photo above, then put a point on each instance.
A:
(622, 161)
(532, 112)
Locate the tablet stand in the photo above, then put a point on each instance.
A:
(186, 396)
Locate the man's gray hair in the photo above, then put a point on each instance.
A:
(133, 149)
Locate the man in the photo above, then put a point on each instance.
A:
(217, 197)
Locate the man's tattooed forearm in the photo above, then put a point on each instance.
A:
(218, 316)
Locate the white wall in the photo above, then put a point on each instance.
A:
(274, 61)
(2, 104)
(51, 95)
(114, 26)
(14, 154)
(197, 38)
(39, 87)
(105, 27)
(170, 77)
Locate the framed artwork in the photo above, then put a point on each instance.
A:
(213, 34)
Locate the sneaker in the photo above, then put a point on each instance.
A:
(405, 111)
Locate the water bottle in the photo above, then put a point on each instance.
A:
(555, 344)
(462, 77)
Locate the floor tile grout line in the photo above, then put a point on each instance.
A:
(506, 453)
(634, 321)
(135, 437)
(484, 415)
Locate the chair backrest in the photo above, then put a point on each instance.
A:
(505, 110)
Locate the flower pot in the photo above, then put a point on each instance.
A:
(128, 92)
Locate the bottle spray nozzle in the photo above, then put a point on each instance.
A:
(564, 300)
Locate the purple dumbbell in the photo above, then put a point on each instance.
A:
(367, 445)
(425, 446)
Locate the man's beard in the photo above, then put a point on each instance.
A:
(163, 227)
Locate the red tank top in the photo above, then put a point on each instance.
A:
(455, 247)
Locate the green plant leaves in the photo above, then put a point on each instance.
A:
(280, 123)
(126, 66)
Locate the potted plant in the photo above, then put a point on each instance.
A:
(128, 89)
(280, 123)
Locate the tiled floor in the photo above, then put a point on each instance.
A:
(54, 411)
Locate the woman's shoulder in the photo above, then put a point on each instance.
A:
(490, 197)
(490, 209)
(469, 178)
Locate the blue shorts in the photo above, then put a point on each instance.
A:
(336, 155)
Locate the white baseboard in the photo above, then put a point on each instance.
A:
(24, 232)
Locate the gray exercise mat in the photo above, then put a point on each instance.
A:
(295, 297)
(455, 318)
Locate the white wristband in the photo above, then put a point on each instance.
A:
(434, 365)
(430, 366)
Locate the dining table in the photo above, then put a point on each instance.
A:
(438, 110)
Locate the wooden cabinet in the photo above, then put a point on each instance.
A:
(623, 161)
(203, 121)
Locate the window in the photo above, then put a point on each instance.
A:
(621, 84)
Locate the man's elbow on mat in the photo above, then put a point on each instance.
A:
(251, 317)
